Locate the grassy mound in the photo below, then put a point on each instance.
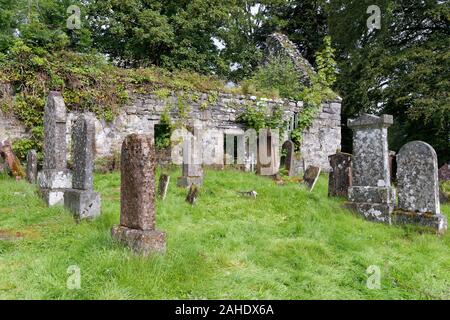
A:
(286, 244)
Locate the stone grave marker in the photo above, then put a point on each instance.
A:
(54, 178)
(137, 205)
(418, 187)
(340, 177)
(81, 200)
(371, 193)
(32, 169)
(289, 148)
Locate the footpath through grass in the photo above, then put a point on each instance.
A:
(286, 244)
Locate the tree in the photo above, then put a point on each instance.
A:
(402, 69)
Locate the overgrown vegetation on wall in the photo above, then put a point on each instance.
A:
(280, 78)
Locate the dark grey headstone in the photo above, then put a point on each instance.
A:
(192, 194)
(289, 159)
(340, 178)
(83, 139)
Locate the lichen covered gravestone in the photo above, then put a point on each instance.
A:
(371, 192)
(340, 178)
(82, 201)
(32, 163)
(418, 187)
(137, 197)
(54, 177)
(12, 163)
(444, 173)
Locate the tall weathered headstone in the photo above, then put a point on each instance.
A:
(192, 166)
(54, 178)
(137, 195)
(418, 187)
(371, 190)
(340, 178)
(32, 163)
(81, 200)
(268, 153)
(289, 148)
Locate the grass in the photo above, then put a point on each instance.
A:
(286, 244)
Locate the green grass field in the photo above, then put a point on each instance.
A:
(286, 244)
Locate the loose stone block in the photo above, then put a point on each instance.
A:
(311, 176)
(32, 163)
(418, 186)
(137, 211)
(340, 178)
(371, 190)
(84, 204)
(164, 181)
(192, 194)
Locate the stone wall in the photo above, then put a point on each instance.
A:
(214, 112)
(10, 128)
(144, 112)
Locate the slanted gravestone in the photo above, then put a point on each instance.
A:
(32, 163)
(192, 167)
(12, 163)
(192, 194)
(340, 178)
(137, 197)
(163, 185)
(81, 200)
(54, 178)
(371, 192)
(289, 148)
(311, 176)
(418, 187)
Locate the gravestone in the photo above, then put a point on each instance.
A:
(311, 176)
(289, 148)
(54, 178)
(192, 194)
(192, 172)
(371, 192)
(268, 153)
(12, 163)
(418, 187)
(137, 205)
(444, 173)
(164, 181)
(32, 163)
(340, 178)
(81, 200)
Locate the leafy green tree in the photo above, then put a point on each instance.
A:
(8, 23)
(402, 69)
